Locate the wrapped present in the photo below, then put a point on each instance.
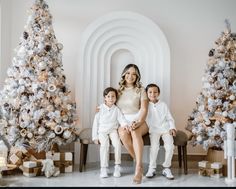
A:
(63, 160)
(31, 164)
(204, 168)
(36, 155)
(204, 164)
(32, 172)
(217, 170)
(214, 155)
(11, 169)
(17, 155)
(32, 168)
(205, 171)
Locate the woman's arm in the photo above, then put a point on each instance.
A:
(143, 114)
(143, 111)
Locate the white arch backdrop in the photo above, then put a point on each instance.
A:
(109, 37)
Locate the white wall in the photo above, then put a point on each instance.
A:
(5, 38)
(190, 26)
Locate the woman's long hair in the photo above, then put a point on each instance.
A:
(137, 83)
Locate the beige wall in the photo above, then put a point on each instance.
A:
(190, 26)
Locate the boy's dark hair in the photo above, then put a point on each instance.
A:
(152, 85)
(109, 89)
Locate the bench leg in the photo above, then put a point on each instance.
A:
(179, 156)
(184, 148)
(83, 156)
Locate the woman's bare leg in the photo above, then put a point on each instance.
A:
(127, 141)
(138, 150)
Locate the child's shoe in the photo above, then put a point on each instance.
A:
(103, 172)
(151, 172)
(167, 173)
(116, 171)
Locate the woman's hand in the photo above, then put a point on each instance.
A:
(135, 125)
(97, 109)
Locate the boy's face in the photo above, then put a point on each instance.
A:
(153, 94)
(110, 98)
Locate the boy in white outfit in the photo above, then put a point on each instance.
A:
(105, 127)
(161, 124)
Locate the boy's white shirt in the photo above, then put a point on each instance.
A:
(107, 119)
(159, 118)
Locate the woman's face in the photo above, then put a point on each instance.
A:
(130, 76)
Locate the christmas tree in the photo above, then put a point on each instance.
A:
(36, 109)
(216, 104)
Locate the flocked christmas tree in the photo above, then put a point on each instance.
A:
(35, 103)
(216, 104)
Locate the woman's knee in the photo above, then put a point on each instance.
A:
(136, 134)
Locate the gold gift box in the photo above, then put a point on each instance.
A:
(62, 160)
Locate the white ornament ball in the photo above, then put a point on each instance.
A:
(42, 65)
(225, 114)
(232, 97)
(66, 134)
(41, 130)
(199, 138)
(29, 135)
(51, 135)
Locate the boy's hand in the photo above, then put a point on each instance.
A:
(172, 132)
(96, 141)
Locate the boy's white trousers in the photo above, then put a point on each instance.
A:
(155, 145)
(104, 147)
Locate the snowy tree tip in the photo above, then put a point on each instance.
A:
(227, 24)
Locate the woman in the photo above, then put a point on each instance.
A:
(133, 103)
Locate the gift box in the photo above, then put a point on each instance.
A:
(217, 170)
(204, 168)
(11, 170)
(15, 156)
(62, 160)
(32, 172)
(37, 155)
(214, 155)
(204, 164)
(205, 171)
(32, 168)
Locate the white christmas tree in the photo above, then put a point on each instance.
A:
(216, 104)
(35, 104)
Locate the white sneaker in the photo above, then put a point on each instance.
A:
(167, 173)
(151, 172)
(116, 171)
(103, 172)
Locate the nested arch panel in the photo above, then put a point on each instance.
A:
(107, 45)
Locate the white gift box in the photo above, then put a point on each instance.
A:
(63, 160)
(203, 164)
(216, 170)
(216, 165)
